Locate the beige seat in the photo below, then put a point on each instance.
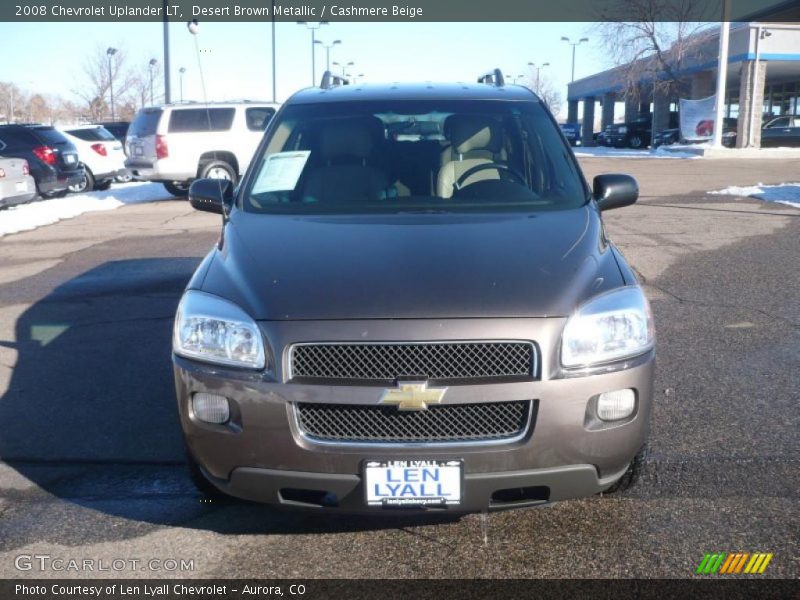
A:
(474, 140)
(346, 176)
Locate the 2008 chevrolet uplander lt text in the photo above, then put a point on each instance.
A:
(413, 304)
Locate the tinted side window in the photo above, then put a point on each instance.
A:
(97, 134)
(14, 138)
(782, 122)
(257, 118)
(201, 119)
(51, 136)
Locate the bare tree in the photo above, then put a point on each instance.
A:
(38, 109)
(12, 102)
(546, 89)
(140, 87)
(65, 111)
(97, 79)
(654, 42)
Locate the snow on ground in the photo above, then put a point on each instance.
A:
(605, 151)
(783, 193)
(25, 217)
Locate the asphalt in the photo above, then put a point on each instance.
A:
(91, 460)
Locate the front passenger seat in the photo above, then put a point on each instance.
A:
(474, 140)
(345, 146)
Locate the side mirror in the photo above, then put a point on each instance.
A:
(614, 190)
(211, 195)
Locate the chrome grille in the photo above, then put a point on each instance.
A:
(386, 424)
(435, 361)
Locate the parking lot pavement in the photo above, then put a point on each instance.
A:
(92, 463)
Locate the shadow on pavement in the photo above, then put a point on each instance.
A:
(90, 414)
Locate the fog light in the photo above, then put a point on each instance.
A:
(211, 408)
(613, 406)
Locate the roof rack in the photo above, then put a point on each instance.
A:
(329, 80)
(494, 77)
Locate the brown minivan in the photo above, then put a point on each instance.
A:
(413, 305)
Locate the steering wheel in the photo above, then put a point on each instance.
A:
(499, 167)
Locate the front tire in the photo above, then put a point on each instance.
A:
(177, 188)
(86, 185)
(203, 485)
(636, 142)
(631, 475)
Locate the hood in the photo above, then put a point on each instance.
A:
(412, 265)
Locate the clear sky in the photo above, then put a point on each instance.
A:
(236, 57)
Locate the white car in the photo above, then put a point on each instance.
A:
(177, 143)
(16, 184)
(100, 153)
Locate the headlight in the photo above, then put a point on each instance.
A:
(610, 327)
(214, 330)
(622, 129)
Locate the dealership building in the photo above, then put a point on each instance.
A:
(762, 80)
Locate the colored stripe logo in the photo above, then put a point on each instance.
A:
(734, 563)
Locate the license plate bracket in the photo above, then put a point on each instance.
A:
(413, 483)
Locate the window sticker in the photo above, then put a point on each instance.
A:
(280, 172)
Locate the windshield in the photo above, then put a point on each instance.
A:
(414, 156)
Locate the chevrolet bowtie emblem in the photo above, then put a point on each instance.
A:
(413, 396)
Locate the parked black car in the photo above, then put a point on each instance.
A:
(667, 137)
(119, 129)
(633, 134)
(53, 160)
(782, 131)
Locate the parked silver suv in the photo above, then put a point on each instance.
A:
(413, 304)
(178, 143)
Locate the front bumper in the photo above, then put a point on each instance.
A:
(564, 454)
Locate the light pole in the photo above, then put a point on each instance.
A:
(573, 44)
(274, 60)
(181, 71)
(343, 66)
(152, 64)
(328, 51)
(313, 27)
(538, 71)
(167, 73)
(111, 52)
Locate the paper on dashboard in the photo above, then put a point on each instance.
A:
(280, 172)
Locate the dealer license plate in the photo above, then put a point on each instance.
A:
(413, 482)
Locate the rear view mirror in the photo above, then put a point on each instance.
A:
(211, 195)
(614, 190)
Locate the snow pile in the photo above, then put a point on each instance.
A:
(783, 193)
(607, 152)
(35, 214)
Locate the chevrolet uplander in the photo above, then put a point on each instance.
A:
(413, 304)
